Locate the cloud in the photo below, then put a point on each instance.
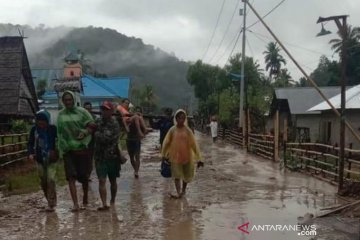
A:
(185, 27)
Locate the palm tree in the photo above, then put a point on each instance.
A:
(352, 52)
(284, 79)
(352, 36)
(273, 59)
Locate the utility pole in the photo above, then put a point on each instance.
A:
(342, 26)
(241, 104)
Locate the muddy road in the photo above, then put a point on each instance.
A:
(233, 189)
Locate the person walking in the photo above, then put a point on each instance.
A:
(181, 148)
(75, 128)
(214, 128)
(42, 149)
(107, 154)
(133, 143)
(163, 124)
(88, 107)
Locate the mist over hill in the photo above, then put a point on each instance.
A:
(111, 53)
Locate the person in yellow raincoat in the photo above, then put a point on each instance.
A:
(180, 148)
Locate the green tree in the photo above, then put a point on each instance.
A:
(257, 89)
(327, 72)
(352, 39)
(302, 82)
(148, 98)
(273, 59)
(41, 87)
(352, 36)
(135, 95)
(206, 79)
(284, 79)
(229, 106)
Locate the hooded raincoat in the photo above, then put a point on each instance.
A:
(42, 144)
(71, 122)
(180, 147)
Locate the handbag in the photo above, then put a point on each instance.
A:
(165, 168)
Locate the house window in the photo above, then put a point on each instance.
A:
(72, 73)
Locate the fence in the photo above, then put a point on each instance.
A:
(233, 136)
(322, 159)
(262, 145)
(13, 148)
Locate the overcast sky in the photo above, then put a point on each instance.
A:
(185, 27)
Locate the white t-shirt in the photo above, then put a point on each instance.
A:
(213, 128)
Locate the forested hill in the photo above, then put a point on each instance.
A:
(111, 53)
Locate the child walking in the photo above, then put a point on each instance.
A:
(41, 147)
(180, 147)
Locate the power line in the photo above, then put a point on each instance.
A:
(290, 44)
(228, 46)
(237, 39)
(291, 67)
(261, 39)
(213, 34)
(273, 9)
(226, 31)
(248, 43)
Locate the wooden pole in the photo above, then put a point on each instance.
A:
(244, 130)
(276, 136)
(248, 128)
(285, 135)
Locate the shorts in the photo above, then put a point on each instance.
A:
(110, 168)
(78, 165)
(184, 172)
(133, 146)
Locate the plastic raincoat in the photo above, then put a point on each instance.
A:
(180, 147)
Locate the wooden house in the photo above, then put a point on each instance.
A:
(18, 96)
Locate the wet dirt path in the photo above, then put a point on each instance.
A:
(234, 188)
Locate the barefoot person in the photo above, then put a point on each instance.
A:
(75, 126)
(41, 147)
(180, 147)
(163, 124)
(133, 144)
(213, 128)
(106, 152)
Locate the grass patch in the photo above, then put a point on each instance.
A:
(22, 183)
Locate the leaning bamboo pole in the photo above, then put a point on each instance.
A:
(352, 130)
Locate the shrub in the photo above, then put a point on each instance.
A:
(19, 126)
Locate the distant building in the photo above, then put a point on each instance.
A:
(329, 122)
(18, 96)
(293, 104)
(87, 88)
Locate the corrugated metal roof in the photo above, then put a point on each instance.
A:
(105, 87)
(115, 87)
(352, 100)
(300, 99)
